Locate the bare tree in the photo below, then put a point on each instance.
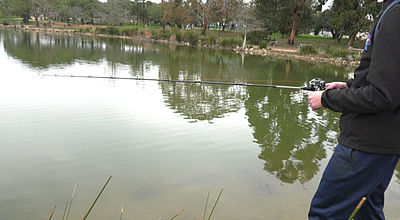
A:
(247, 19)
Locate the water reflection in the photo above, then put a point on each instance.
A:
(292, 138)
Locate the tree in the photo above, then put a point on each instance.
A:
(247, 18)
(154, 12)
(348, 17)
(225, 11)
(114, 11)
(22, 8)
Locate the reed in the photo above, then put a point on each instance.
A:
(180, 211)
(98, 196)
(70, 202)
(205, 207)
(65, 209)
(122, 211)
(215, 204)
(357, 208)
(51, 213)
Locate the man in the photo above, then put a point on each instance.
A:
(369, 142)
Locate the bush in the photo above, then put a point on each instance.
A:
(111, 30)
(337, 52)
(178, 34)
(107, 30)
(230, 42)
(255, 37)
(165, 34)
(5, 22)
(155, 34)
(263, 44)
(191, 36)
(308, 49)
(129, 31)
(211, 39)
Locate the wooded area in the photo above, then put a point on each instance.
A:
(261, 17)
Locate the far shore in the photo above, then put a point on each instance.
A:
(272, 51)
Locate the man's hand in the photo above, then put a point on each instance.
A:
(336, 85)
(314, 99)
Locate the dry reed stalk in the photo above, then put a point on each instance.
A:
(180, 211)
(357, 208)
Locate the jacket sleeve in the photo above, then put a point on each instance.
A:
(382, 90)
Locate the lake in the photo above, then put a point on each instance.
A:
(165, 143)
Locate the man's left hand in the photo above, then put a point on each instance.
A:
(314, 99)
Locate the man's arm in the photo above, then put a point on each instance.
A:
(383, 90)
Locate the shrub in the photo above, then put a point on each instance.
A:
(337, 52)
(255, 37)
(107, 30)
(129, 31)
(211, 39)
(263, 44)
(178, 34)
(5, 22)
(308, 49)
(229, 42)
(165, 34)
(155, 34)
(111, 30)
(191, 36)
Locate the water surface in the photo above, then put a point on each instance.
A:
(165, 143)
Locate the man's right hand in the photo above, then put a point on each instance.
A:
(336, 85)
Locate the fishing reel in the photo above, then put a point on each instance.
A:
(316, 84)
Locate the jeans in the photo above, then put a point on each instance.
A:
(349, 176)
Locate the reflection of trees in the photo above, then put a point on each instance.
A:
(42, 50)
(199, 101)
(291, 137)
(398, 172)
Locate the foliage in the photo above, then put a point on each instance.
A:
(338, 52)
(162, 34)
(178, 34)
(351, 16)
(130, 31)
(191, 36)
(308, 49)
(230, 42)
(255, 37)
(263, 44)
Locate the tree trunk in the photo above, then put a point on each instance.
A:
(351, 40)
(244, 39)
(37, 20)
(333, 34)
(203, 31)
(294, 27)
(339, 37)
(26, 19)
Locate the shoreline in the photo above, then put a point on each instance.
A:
(271, 51)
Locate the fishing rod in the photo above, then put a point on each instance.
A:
(315, 84)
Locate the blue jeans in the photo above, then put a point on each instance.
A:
(349, 176)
